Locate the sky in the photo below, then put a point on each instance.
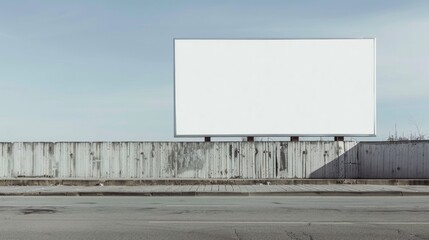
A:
(103, 70)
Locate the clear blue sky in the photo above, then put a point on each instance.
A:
(102, 70)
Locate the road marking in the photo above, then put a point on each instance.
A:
(300, 223)
(379, 206)
(238, 222)
(202, 205)
(36, 205)
(399, 223)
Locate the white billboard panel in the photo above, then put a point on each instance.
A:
(274, 87)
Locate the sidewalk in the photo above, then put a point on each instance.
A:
(37, 181)
(218, 190)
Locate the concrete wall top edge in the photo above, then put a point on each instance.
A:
(395, 142)
(27, 142)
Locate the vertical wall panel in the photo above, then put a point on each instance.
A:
(6, 160)
(282, 160)
(42, 156)
(351, 163)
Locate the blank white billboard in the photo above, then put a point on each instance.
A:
(274, 87)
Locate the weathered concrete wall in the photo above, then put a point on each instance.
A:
(248, 160)
(394, 159)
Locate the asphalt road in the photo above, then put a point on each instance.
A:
(214, 218)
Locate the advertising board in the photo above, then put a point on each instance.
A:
(274, 87)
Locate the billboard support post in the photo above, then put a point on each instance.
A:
(339, 138)
(294, 139)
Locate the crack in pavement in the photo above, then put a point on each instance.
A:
(411, 236)
(308, 235)
(236, 234)
(292, 235)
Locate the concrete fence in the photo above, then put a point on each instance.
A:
(225, 160)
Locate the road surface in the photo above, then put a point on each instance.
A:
(304, 218)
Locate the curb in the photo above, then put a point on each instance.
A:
(219, 194)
